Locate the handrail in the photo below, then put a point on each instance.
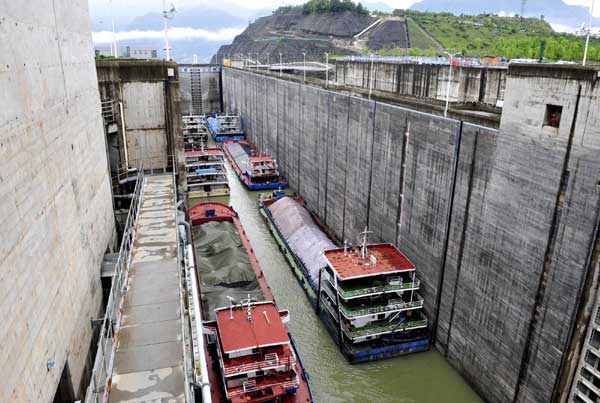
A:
(247, 387)
(260, 365)
(101, 376)
(184, 317)
(353, 313)
(379, 329)
(352, 293)
(125, 173)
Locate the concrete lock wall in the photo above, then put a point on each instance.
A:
(56, 217)
(149, 92)
(480, 85)
(200, 87)
(500, 224)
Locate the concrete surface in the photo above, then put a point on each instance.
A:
(149, 92)
(149, 361)
(478, 85)
(56, 218)
(500, 224)
(200, 88)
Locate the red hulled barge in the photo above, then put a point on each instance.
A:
(251, 357)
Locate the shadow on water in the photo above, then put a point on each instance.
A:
(418, 378)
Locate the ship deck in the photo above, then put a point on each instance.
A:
(149, 358)
(383, 259)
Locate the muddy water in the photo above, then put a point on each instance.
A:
(418, 378)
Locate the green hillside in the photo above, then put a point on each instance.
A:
(491, 35)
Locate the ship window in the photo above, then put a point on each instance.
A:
(553, 115)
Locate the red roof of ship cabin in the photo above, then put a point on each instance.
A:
(208, 151)
(241, 334)
(389, 260)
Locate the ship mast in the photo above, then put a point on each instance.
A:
(364, 252)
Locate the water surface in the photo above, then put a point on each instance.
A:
(417, 378)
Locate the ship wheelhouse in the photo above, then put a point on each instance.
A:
(255, 353)
(371, 293)
(206, 174)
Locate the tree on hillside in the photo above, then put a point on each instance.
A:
(332, 6)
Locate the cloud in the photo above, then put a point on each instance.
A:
(585, 3)
(505, 14)
(563, 28)
(176, 33)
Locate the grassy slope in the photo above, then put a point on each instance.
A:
(417, 38)
(483, 35)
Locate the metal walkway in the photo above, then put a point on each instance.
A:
(149, 357)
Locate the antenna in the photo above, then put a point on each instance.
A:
(249, 312)
(523, 4)
(364, 252)
(266, 317)
(231, 302)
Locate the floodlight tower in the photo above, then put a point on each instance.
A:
(167, 15)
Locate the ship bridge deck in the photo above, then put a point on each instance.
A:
(149, 359)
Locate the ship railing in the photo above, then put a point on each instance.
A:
(382, 329)
(250, 386)
(271, 360)
(353, 293)
(348, 312)
(187, 332)
(99, 386)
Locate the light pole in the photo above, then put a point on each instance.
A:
(114, 49)
(166, 16)
(280, 65)
(589, 32)
(371, 77)
(326, 69)
(451, 56)
(304, 64)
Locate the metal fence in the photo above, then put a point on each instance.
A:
(108, 340)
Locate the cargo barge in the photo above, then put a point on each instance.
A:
(367, 296)
(256, 171)
(206, 174)
(195, 132)
(251, 357)
(225, 127)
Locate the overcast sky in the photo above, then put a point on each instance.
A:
(142, 6)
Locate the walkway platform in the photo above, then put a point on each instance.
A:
(149, 358)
